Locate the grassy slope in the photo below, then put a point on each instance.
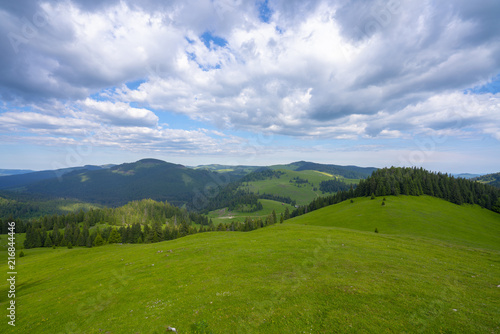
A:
(282, 186)
(422, 216)
(283, 279)
(287, 278)
(224, 216)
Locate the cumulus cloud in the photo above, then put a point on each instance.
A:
(316, 69)
(120, 113)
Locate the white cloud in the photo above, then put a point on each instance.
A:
(120, 113)
(343, 70)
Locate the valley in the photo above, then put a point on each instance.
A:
(277, 254)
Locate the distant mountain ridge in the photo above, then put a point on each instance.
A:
(120, 184)
(24, 179)
(6, 172)
(349, 172)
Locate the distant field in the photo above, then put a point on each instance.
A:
(302, 193)
(422, 216)
(225, 216)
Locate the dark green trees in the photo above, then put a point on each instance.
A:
(114, 237)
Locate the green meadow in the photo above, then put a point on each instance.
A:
(324, 277)
(422, 216)
(225, 216)
(303, 193)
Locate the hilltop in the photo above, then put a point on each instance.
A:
(284, 278)
(147, 178)
(418, 217)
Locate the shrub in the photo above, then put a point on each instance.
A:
(21, 254)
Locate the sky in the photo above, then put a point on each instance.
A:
(367, 83)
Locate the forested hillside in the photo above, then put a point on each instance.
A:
(147, 178)
(491, 179)
(414, 182)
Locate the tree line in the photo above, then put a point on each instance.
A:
(333, 186)
(150, 231)
(415, 182)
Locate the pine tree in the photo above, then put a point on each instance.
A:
(114, 237)
(99, 241)
(84, 235)
(37, 240)
(147, 231)
(287, 213)
(28, 241)
(55, 234)
(88, 242)
(48, 242)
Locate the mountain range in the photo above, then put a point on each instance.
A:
(115, 185)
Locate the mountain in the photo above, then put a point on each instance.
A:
(24, 179)
(5, 172)
(467, 175)
(349, 172)
(491, 179)
(118, 185)
(235, 172)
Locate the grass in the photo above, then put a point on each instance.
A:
(286, 278)
(225, 216)
(302, 194)
(422, 216)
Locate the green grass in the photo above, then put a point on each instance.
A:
(286, 278)
(303, 193)
(4, 241)
(225, 216)
(422, 216)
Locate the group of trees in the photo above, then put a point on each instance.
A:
(74, 234)
(415, 182)
(277, 198)
(263, 174)
(144, 211)
(233, 198)
(333, 186)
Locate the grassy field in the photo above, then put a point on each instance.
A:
(422, 216)
(287, 278)
(302, 193)
(225, 216)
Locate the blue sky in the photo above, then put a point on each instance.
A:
(368, 83)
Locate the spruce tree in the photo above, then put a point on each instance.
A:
(88, 242)
(114, 237)
(99, 241)
(287, 213)
(55, 234)
(48, 242)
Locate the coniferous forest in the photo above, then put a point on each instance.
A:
(414, 182)
(149, 221)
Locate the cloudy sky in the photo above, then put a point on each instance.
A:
(370, 83)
